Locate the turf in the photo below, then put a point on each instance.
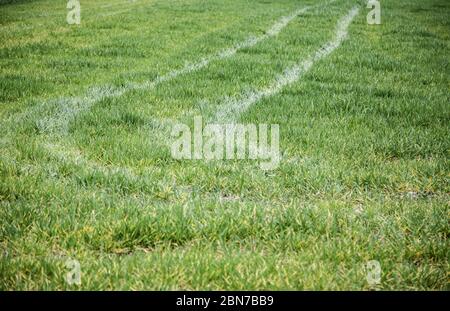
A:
(364, 138)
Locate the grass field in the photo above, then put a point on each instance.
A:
(86, 172)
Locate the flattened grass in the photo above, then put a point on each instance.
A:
(364, 137)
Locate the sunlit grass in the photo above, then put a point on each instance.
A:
(364, 138)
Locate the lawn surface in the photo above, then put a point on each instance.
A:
(86, 172)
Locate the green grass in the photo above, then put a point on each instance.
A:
(364, 136)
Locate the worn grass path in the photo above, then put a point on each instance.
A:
(364, 136)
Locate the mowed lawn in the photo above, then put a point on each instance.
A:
(86, 172)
